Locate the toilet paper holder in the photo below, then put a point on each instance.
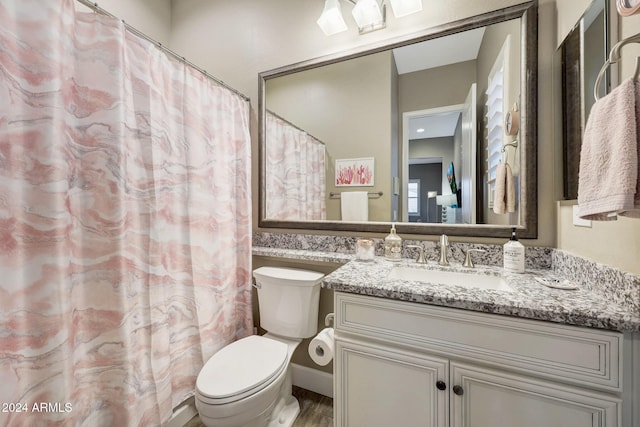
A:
(321, 347)
(328, 319)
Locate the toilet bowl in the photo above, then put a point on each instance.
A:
(248, 382)
(242, 384)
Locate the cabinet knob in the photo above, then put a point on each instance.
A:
(441, 385)
(458, 390)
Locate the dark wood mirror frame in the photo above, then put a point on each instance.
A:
(528, 227)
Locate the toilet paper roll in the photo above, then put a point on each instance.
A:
(321, 347)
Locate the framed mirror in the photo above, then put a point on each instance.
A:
(410, 131)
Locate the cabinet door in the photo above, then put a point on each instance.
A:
(488, 398)
(378, 386)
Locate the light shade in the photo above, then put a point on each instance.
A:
(405, 7)
(447, 200)
(431, 194)
(331, 20)
(368, 13)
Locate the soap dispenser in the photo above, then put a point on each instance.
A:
(393, 245)
(514, 254)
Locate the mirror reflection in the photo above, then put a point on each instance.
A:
(412, 110)
(583, 52)
(417, 134)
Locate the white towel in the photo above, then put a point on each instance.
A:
(354, 205)
(504, 193)
(608, 181)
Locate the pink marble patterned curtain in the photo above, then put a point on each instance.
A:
(295, 181)
(124, 221)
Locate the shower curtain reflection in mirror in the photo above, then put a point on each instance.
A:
(295, 181)
(124, 220)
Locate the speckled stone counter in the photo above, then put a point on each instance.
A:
(529, 299)
(607, 298)
(302, 254)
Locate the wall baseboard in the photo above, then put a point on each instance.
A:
(312, 380)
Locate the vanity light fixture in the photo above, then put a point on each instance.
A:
(331, 20)
(370, 15)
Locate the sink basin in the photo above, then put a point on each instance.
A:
(468, 280)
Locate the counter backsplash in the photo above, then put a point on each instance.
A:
(615, 285)
(537, 258)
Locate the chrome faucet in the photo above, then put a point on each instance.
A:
(421, 259)
(444, 243)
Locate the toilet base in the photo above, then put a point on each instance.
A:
(287, 414)
(281, 413)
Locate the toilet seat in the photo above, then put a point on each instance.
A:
(241, 369)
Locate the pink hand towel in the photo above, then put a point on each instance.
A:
(608, 180)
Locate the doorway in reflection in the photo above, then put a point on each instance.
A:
(425, 182)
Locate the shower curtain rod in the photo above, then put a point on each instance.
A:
(294, 126)
(94, 6)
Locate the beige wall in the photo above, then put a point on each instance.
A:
(568, 13)
(436, 87)
(616, 243)
(350, 113)
(152, 17)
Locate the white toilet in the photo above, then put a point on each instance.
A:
(248, 382)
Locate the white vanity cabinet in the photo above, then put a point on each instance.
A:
(489, 397)
(409, 364)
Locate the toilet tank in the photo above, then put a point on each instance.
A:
(288, 299)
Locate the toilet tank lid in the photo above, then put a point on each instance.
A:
(293, 275)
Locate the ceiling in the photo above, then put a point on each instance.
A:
(434, 125)
(459, 47)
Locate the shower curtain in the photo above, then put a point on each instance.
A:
(295, 183)
(124, 221)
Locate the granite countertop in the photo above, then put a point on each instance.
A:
(530, 299)
(303, 254)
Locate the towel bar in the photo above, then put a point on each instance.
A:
(334, 195)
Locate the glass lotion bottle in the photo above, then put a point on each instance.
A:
(393, 245)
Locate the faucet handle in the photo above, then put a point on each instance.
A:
(467, 259)
(444, 243)
(421, 259)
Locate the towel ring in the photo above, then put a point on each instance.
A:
(614, 57)
(513, 143)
